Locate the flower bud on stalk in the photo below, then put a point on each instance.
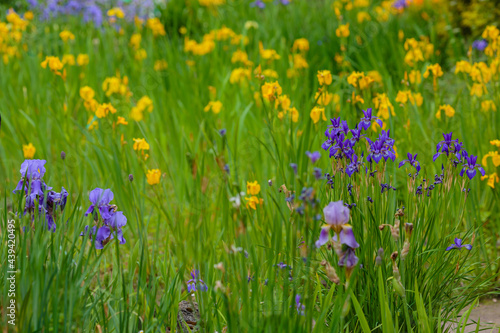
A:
(406, 246)
(330, 272)
(396, 280)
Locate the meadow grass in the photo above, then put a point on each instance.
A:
(253, 260)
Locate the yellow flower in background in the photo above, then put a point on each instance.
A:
(251, 25)
(488, 105)
(153, 176)
(268, 54)
(160, 65)
(317, 113)
(301, 45)
(68, 59)
(282, 102)
(92, 123)
(156, 27)
(271, 91)
(145, 104)
(375, 76)
(215, 106)
(66, 35)
(239, 56)
(436, 72)
(82, 59)
(449, 111)
(271, 73)
(140, 144)
(294, 114)
(325, 77)
(135, 41)
(54, 64)
(239, 75)
(299, 62)
(29, 15)
(323, 98)
(116, 12)
(116, 85)
(121, 121)
(495, 143)
(104, 109)
(463, 66)
(29, 151)
(492, 179)
(384, 106)
(495, 158)
(363, 16)
(342, 31)
(478, 89)
(253, 201)
(403, 96)
(419, 100)
(140, 54)
(253, 188)
(491, 32)
(415, 77)
(87, 93)
(208, 3)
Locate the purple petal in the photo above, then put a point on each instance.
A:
(323, 237)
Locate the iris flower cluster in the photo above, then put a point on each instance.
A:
(341, 142)
(458, 155)
(112, 220)
(37, 193)
(93, 11)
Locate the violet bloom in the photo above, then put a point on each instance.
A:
(470, 167)
(317, 173)
(356, 133)
(314, 156)
(401, 4)
(294, 167)
(285, 2)
(366, 121)
(355, 164)
(196, 282)
(458, 245)
(105, 233)
(299, 306)
(100, 198)
(479, 44)
(222, 132)
(259, 4)
(446, 146)
(32, 172)
(348, 258)
(336, 216)
(412, 160)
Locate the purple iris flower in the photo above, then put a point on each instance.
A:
(355, 164)
(458, 245)
(93, 14)
(480, 44)
(105, 233)
(196, 282)
(285, 2)
(356, 133)
(314, 156)
(317, 173)
(259, 4)
(348, 258)
(294, 167)
(401, 4)
(412, 160)
(366, 121)
(470, 167)
(222, 132)
(346, 236)
(299, 306)
(100, 198)
(446, 146)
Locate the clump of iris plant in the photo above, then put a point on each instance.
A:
(38, 194)
(108, 221)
